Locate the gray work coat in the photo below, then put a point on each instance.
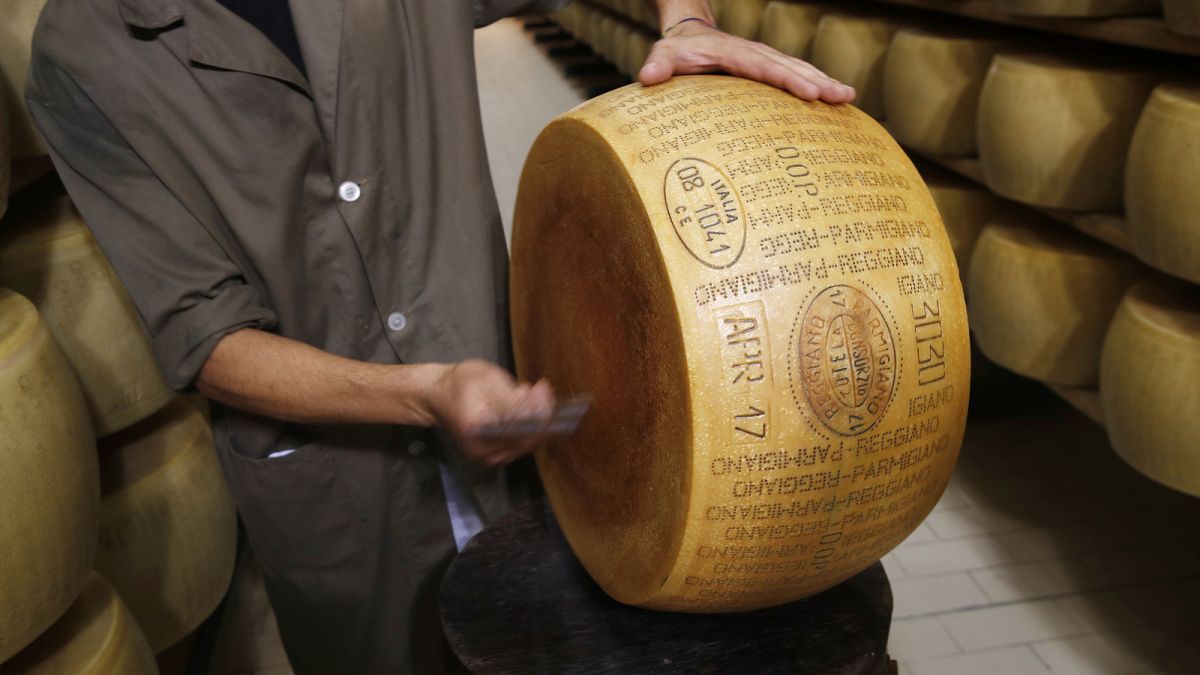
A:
(350, 209)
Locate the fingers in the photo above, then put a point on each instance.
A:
(657, 69)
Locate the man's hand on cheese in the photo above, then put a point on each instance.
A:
(692, 47)
(474, 394)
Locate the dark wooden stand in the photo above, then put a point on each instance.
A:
(516, 600)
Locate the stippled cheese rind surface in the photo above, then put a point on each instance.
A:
(759, 295)
(1162, 202)
(1148, 382)
(852, 49)
(97, 636)
(790, 26)
(1055, 133)
(1078, 7)
(167, 524)
(1042, 298)
(49, 485)
(49, 255)
(931, 85)
(1183, 16)
(965, 207)
(16, 34)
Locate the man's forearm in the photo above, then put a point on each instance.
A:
(671, 12)
(281, 378)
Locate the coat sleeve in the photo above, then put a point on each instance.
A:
(187, 290)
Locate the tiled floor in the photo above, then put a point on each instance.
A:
(1047, 554)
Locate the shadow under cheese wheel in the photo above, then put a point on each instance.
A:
(759, 295)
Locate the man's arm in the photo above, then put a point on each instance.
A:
(285, 379)
(692, 47)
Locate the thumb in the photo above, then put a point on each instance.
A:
(657, 69)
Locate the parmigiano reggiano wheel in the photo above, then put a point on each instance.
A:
(637, 51)
(852, 49)
(1183, 16)
(931, 85)
(1078, 7)
(1148, 379)
(5, 153)
(167, 525)
(766, 310)
(790, 27)
(50, 256)
(741, 17)
(1042, 298)
(620, 48)
(1055, 133)
(965, 208)
(97, 636)
(1162, 202)
(49, 485)
(16, 34)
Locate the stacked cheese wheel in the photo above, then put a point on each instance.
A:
(5, 153)
(1183, 16)
(16, 35)
(167, 522)
(741, 17)
(1148, 382)
(1042, 298)
(1078, 7)
(49, 486)
(1055, 133)
(931, 87)
(965, 208)
(50, 256)
(790, 27)
(97, 636)
(852, 49)
(766, 310)
(1162, 202)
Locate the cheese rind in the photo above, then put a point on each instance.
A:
(49, 255)
(1055, 133)
(1148, 376)
(1042, 298)
(49, 485)
(1183, 16)
(96, 636)
(1078, 7)
(965, 207)
(853, 49)
(708, 279)
(1162, 204)
(790, 27)
(931, 85)
(16, 36)
(168, 529)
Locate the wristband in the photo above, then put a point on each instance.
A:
(675, 25)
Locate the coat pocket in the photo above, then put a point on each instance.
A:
(298, 511)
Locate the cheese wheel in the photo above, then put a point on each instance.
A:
(97, 636)
(5, 153)
(16, 34)
(741, 17)
(49, 486)
(1055, 133)
(1148, 377)
(1078, 7)
(931, 84)
(1183, 16)
(168, 529)
(790, 27)
(965, 207)
(637, 50)
(852, 49)
(759, 295)
(1162, 203)
(620, 48)
(1042, 298)
(50, 256)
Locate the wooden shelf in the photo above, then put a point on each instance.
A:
(1106, 227)
(1148, 32)
(1085, 400)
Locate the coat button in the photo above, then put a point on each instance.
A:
(416, 448)
(349, 191)
(397, 321)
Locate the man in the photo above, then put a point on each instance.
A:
(296, 195)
